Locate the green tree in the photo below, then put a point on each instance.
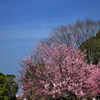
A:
(3, 87)
(12, 87)
(92, 47)
(18, 99)
(8, 87)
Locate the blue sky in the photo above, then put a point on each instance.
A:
(22, 21)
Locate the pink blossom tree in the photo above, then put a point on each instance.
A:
(58, 69)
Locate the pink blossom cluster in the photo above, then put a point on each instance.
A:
(60, 68)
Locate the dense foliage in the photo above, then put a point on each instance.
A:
(92, 47)
(8, 87)
(60, 69)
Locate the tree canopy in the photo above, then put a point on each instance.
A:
(81, 31)
(57, 67)
(92, 47)
(64, 70)
(8, 87)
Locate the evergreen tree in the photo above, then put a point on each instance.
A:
(92, 47)
(8, 87)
